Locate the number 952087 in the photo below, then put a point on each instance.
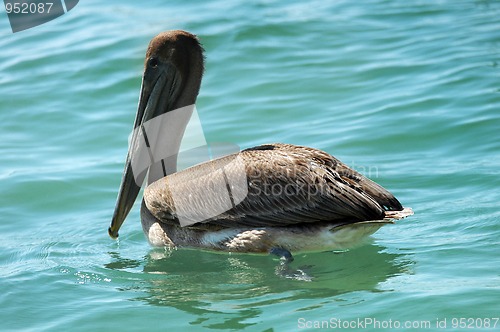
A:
(28, 8)
(474, 323)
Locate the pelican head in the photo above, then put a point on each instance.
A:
(173, 70)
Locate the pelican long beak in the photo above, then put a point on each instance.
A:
(159, 90)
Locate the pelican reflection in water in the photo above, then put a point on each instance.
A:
(231, 203)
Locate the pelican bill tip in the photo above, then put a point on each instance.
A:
(112, 233)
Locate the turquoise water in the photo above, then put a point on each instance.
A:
(406, 92)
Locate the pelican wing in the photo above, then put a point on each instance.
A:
(269, 185)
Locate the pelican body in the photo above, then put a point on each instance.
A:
(270, 198)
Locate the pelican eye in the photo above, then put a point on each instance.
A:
(153, 62)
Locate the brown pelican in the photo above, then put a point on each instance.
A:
(274, 198)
